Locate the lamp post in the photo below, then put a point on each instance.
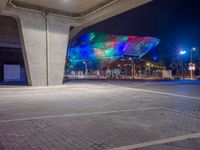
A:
(152, 70)
(119, 68)
(108, 66)
(132, 67)
(86, 68)
(182, 53)
(191, 62)
(149, 65)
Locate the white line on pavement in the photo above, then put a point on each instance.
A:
(83, 87)
(79, 114)
(158, 142)
(157, 92)
(165, 93)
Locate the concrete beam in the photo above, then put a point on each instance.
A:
(116, 8)
(3, 4)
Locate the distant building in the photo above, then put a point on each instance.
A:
(101, 49)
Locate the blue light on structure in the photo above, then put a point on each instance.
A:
(97, 47)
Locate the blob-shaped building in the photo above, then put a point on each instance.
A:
(97, 46)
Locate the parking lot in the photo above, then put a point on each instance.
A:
(101, 114)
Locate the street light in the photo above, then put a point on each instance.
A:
(108, 66)
(132, 67)
(149, 65)
(86, 70)
(191, 55)
(182, 52)
(120, 69)
(191, 62)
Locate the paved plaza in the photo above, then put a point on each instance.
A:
(101, 115)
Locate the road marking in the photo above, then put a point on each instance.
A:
(169, 83)
(37, 93)
(100, 86)
(79, 114)
(165, 93)
(156, 92)
(158, 142)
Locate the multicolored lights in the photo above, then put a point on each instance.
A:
(100, 46)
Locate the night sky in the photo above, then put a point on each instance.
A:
(175, 22)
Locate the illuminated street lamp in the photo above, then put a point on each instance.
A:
(86, 68)
(191, 65)
(132, 67)
(120, 69)
(149, 65)
(182, 53)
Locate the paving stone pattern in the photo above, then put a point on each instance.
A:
(88, 129)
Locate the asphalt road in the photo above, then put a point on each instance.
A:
(101, 114)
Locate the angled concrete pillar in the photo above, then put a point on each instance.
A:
(44, 42)
(32, 28)
(58, 38)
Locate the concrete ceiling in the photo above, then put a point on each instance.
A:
(72, 7)
(3, 4)
(88, 12)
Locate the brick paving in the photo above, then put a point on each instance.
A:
(99, 131)
(189, 144)
(102, 117)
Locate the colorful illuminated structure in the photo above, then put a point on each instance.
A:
(97, 47)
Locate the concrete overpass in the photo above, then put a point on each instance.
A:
(44, 28)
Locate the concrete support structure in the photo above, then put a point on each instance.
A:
(44, 43)
(44, 37)
(58, 39)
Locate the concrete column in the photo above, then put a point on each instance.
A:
(58, 38)
(44, 42)
(33, 40)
